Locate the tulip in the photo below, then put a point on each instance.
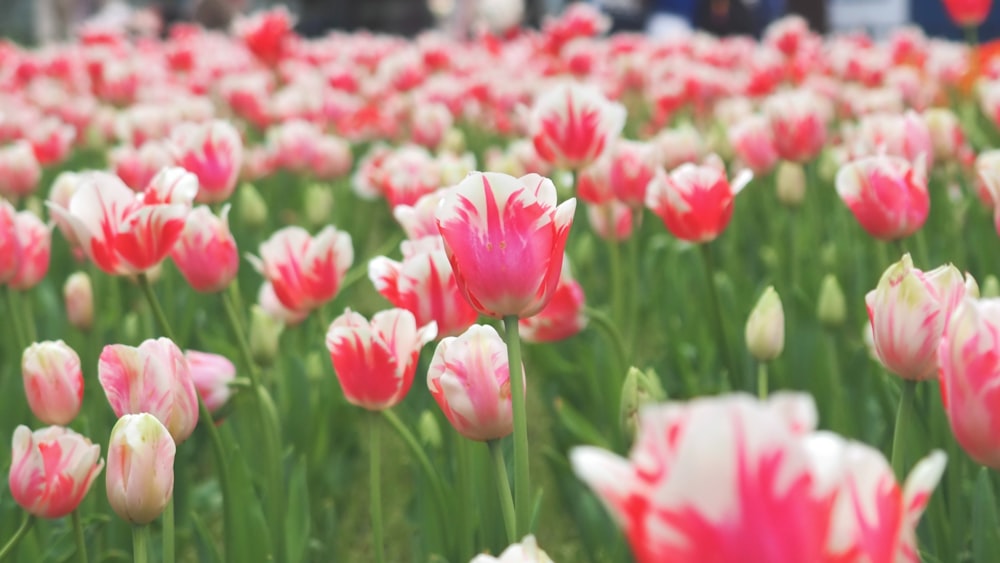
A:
(695, 202)
(212, 151)
(63, 189)
(10, 243)
(790, 184)
(52, 469)
(909, 311)
(140, 478)
(305, 271)
(423, 284)
(124, 233)
(418, 220)
(525, 552)
(206, 252)
(753, 142)
(887, 195)
(138, 166)
(765, 329)
(798, 124)
(562, 318)
(20, 170)
(572, 125)
(505, 239)
(317, 206)
(968, 13)
(266, 34)
(153, 378)
(51, 140)
(894, 134)
(470, 380)
(611, 220)
(831, 308)
(632, 167)
(79, 297)
(53, 381)
(375, 361)
(968, 356)
(265, 335)
(429, 123)
(35, 239)
(211, 374)
(639, 389)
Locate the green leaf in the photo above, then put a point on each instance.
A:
(297, 516)
(985, 530)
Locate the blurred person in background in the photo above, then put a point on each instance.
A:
(814, 11)
(626, 15)
(724, 17)
(217, 14)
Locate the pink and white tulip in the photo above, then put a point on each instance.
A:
(35, 238)
(887, 195)
(52, 469)
(140, 476)
(20, 171)
(78, 293)
(10, 244)
(206, 253)
(53, 381)
(137, 166)
(695, 201)
(572, 125)
(212, 375)
(212, 151)
(562, 318)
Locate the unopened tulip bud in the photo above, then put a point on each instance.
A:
(79, 296)
(790, 183)
(525, 552)
(765, 330)
(971, 286)
(53, 381)
(429, 430)
(453, 141)
(832, 307)
(315, 367)
(640, 388)
(265, 333)
(131, 327)
(140, 476)
(318, 204)
(991, 287)
(251, 207)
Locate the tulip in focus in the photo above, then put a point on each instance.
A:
(213, 152)
(470, 380)
(376, 361)
(212, 375)
(305, 270)
(969, 358)
(78, 293)
(153, 377)
(695, 201)
(505, 239)
(35, 239)
(53, 381)
(887, 195)
(525, 552)
(909, 312)
(52, 469)
(968, 13)
(572, 125)
(562, 318)
(206, 252)
(765, 329)
(140, 476)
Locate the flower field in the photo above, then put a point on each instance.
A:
(263, 296)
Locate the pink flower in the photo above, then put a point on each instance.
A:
(124, 232)
(10, 243)
(968, 13)
(423, 284)
(35, 239)
(305, 271)
(78, 293)
(137, 166)
(798, 122)
(212, 151)
(571, 125)
(51, 140)
(695, 201)
(562, 318)
(52, 469)
(470, 380)
(611, 220)
(753, 143)
(633, 165)
(53, 381)
(272, 306)
(887, 195)
(63, 189)
(211, 374)
(140, 477)
(153, 378)
(206, 252)
(909, 312)
(429, 123)
(407, 174)
(418, 220)
(969, 358)
(505, 239)
(893, 134)
(267, 34)
(375, 362)
(19, 170)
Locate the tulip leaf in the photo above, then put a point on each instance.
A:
(208, 551)
(297, 519)
(985, 529)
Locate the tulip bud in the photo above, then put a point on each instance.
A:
(318, 204)
(429, 430)
(525, 552)
(265, 334)
(53, 381)
(251, 207)
(140, 477)
(790, 184)
(131, 328)
(991, 287)
(453, 141)
(832, 307)
(79, 297)
(765, 330)
(640, 388)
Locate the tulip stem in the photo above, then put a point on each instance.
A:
(169, 545)
(421, 456)
(14, 312)
(81, 542)
(522, 477)
(26, 525)
(720, 322)
(140, 544)
(503, 488)
(904, 418)
(205, 419)
(762, 380)
(375, 488)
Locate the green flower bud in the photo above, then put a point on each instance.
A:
(265, 334)
(429, 430)
(318, 200)
(790, 184)
(765, 329)
(640, 388)
(831, 310)
(251, 209)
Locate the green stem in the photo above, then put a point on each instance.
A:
(762, 380)
(631, 320)
(26, 525)
(617, 283)
(904, 417)
(81, 543)
(609, 329)
(425, 463)
(503, 488)
(720, 322)
(204, 418)
(29, 319)
(837, 422)
(13, 312)
(140, 544)
(375, 488)
(793, 250)
(169, 543)
(522, 477)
